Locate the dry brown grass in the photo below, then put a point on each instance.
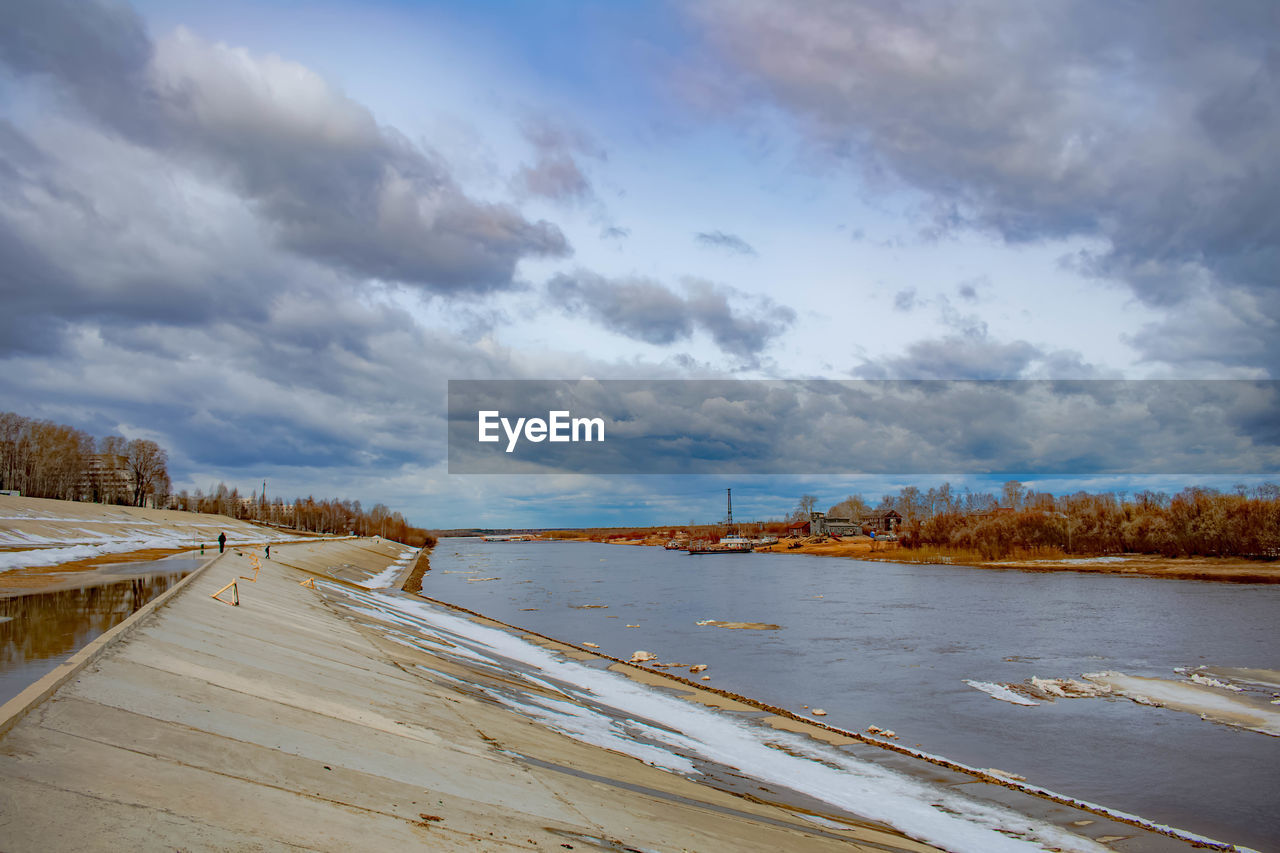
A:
(970, 557)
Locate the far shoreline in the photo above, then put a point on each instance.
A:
(864, 549)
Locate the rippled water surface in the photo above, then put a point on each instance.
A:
(891, 644)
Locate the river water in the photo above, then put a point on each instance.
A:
(893, 644)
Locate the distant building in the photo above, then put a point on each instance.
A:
(876, 521)
(881, 521)
(107, 479)
(799, 528)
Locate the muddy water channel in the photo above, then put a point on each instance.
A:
(903, 646)
(40, 630)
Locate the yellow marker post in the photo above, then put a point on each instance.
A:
(235, 595)
(308, 583)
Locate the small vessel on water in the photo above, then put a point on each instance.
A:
(735, 543)
(728, 545)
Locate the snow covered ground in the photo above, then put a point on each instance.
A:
(39, 532)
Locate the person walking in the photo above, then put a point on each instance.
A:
(222, 542)
(268, 552)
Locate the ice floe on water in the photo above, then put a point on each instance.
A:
(741, 626)
(1210, 703)
(1068, 688)
(613, 711)
(1216, 699)
(1205, 680)
(1001, 692)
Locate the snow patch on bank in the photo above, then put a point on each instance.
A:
(66, 549)
(387, 576)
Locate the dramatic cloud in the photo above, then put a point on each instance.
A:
(728, 242)
(333, 185)
(741, 325)
(1149, 128)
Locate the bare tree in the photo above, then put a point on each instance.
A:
(11, 429)
(804, 507)
(147, 462)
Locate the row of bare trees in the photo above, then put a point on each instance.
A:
(1196, 521)
(331, 515)
(43, 459)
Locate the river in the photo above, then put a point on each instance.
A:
(895, 645)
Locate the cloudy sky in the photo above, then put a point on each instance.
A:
(267, 234)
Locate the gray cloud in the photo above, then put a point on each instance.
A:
(638, 308)
(968, 290)
(741, 325)
(333, 185)
(557, 178)
(729, 242)
(1148, 127)
(955, 357)
(905, 300)
(555, 173)
(971, 353)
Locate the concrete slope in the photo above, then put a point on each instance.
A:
(43, 522)
(279, 724)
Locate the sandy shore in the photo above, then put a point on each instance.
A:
(1226, 569)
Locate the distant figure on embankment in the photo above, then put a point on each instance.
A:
(222, 542)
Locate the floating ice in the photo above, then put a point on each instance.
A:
(1213, 682)
(1001, 692)
(1069, 688)
(1210, 703)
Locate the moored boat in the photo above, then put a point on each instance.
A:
(727, 545)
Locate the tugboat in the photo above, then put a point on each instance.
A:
(727, 545)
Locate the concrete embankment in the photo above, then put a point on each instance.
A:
(278, 724)
(296, 720)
